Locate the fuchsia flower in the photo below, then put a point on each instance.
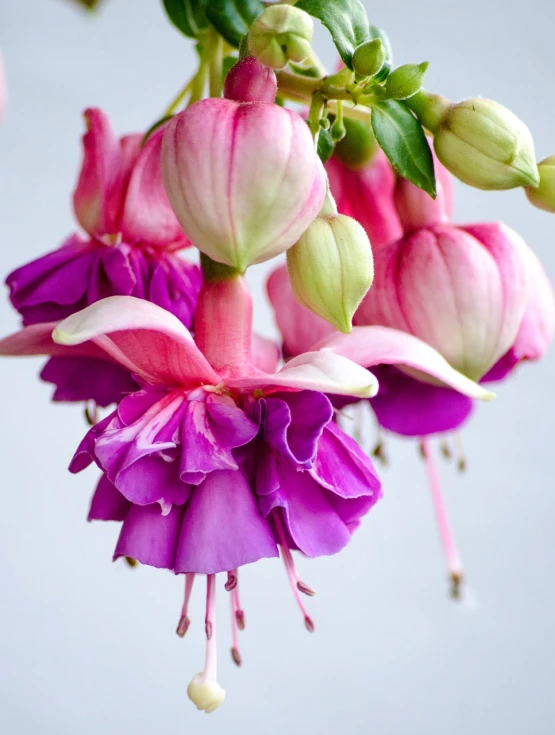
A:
(243, 178)
(131, 249)
(214, 463)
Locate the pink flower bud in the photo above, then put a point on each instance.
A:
(366, 194)
(537, 328)
(250, 81)
(461, 290)
(243, 178)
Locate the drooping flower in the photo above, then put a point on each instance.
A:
(214, 463)
(488, 318)
(131, 248)
(243, 178)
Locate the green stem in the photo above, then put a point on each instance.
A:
(179, 98)
(429, 108)
(216, 47)
(315, 113)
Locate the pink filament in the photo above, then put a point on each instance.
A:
(447, 539)
(292, 573)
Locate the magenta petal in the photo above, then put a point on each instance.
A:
(119, 272)
(410, 407)
(150, 537)
(84, 454)
(85, 378)
(107, 503)
(222, 528)
(174, 285)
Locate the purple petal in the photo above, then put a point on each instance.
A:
(174, 284)
(84, 454)
(222, 528)
(150, 537)
(201, 453)
(348, 473)
(311, 520)
(107, 504)
(229, 423)
(410, 407)
(85, 378)
(293, 423)
(119, 271)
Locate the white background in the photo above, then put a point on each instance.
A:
(87, 646)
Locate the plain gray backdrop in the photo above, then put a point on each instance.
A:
(88, 647)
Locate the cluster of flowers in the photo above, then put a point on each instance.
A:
(214, 456)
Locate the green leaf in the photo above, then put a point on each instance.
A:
(346, 20)
(188, 16)
(233, 18)
(402, 139)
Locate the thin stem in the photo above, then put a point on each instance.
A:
(178, 99)
(215, 60)
(452, 557)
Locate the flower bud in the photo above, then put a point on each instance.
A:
(250, 81)
(358, 146)
(463, 290)
(543, 196)
(243, 179)
(406, 80)
(331, 268)
(485, 145)
(282, 33)
(369, 57)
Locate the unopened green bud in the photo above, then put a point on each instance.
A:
(486, 145)
(406, 80)
(331, 268)
(358, 145)
(369, 58)
(543, 196)
(282, 33)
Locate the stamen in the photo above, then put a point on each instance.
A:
(459, 453)
(379, 452)
(231, 582)
(130, 561)
(184, 621)
(237, 615)
(446, 449)
(91, 413)
(292, 574)
(454, 563)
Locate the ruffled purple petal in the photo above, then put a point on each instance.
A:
(107, 503)
(86, 378)
(293, 423)
(84, 454)
(201, 453)
(53, 286)
(410, 407)
(348, 473)
(312, 522)
(222, 528)
(150, 537)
